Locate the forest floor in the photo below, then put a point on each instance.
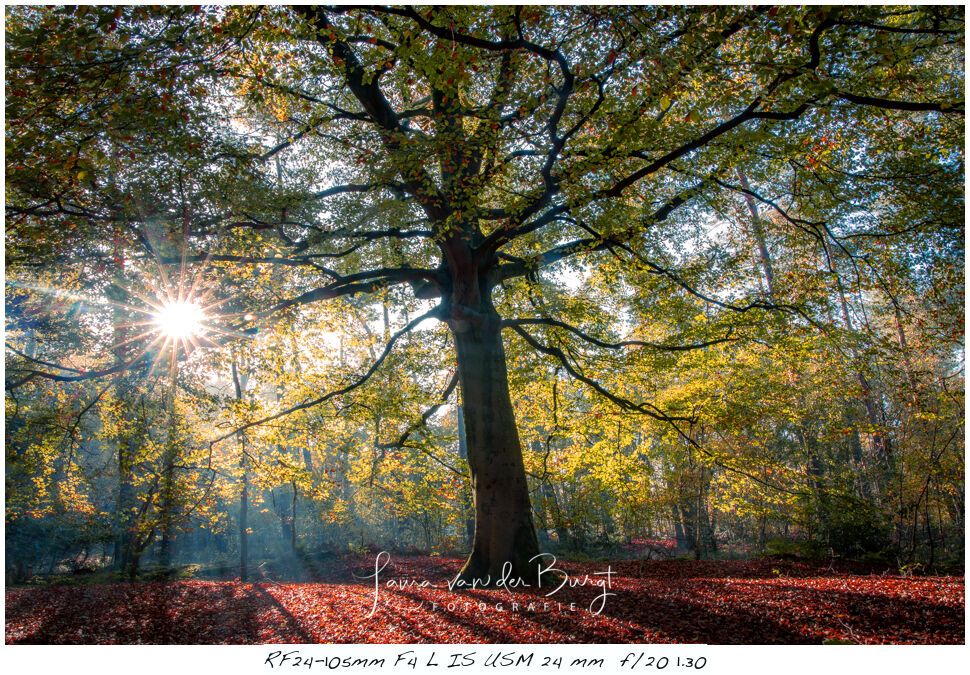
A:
(721, 602)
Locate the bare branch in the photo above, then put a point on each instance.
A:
(40, 362)
(363, 282)
(90, 375)
(345, 189)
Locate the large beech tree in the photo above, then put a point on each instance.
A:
(475, 163)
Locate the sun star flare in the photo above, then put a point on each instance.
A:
(180, 320)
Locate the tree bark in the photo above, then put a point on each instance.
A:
(244, 525)
(880, 442)
(679, 535)
(293, 519)
(239, 384)
(504, 542)
(688, 516)
(168, 476)
(759, 236)
(124, 537)
(467, 491)
(127, 440)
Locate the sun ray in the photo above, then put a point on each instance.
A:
(161, 352)
(136, 338)
(230, 333)
(171, 312)
(68, 295)
(197, 278)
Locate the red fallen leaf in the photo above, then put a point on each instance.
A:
(748, 602)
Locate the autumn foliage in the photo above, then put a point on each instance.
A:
(286, 286)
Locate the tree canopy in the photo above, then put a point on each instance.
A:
(669, 261)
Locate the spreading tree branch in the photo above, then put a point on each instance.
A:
(431, 314)
(646, 409)
(617, 345)
(425, 416)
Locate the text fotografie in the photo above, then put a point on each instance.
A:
(556, 579)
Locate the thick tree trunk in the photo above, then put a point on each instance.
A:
(168, 506)
(127, 441)
(137, 551)
(467, 499)
(505, 540)
(704, 532)
(124, 523)
(688, 516)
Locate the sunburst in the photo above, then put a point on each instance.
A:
(171, 314)
(180, 320)
(167, 323)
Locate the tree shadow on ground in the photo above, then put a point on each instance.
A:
(152, 613)
(749, 604)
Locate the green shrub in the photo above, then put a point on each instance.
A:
(358, 549)
(787, 548)
(853, 527)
